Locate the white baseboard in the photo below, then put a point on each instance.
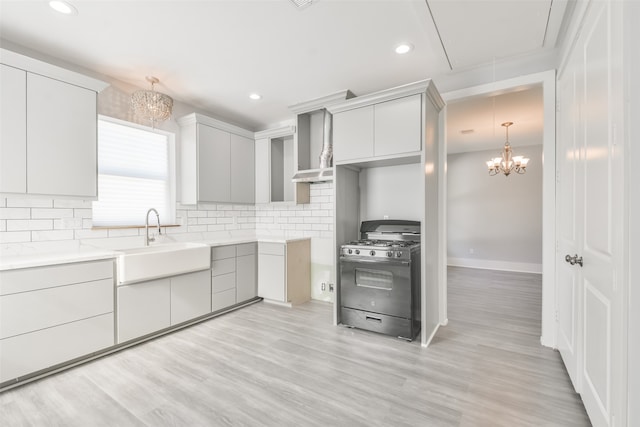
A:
(488, 264)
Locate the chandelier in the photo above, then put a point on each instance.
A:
(508, 162)
(151, 105)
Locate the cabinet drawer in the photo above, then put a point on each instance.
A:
(223, 266)
(143, 308)
(29, 311)
(222, 300)
(223, 282)
(246, 249)
(272, 248)
(27, 353)
(222, 252)
(29, 279)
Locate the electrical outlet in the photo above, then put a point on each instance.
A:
(385, 216)
(330, 287)
(323, 287)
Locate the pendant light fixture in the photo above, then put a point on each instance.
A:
(508, 162)
(151, 105)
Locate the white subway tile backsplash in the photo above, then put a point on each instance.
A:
(72, 203)
(207, 221)
(82, 213)
(225, 220)
(29, 202)
(3, 225)
(15, 237)
(67, 224)
(29, 224)
(50, 235)
(37, 213)
(193, 214)
(216, 227)
(15, 213)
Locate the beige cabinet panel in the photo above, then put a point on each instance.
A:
(61, 138)
(13, 131)
(398, 126)
(190, 296)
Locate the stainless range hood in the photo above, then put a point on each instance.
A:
(314, 175)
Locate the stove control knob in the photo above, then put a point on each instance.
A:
(372, 253)
(398, 254)
(357, 251)
(390, 253)
(350, 251)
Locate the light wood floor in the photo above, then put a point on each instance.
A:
(271, 366)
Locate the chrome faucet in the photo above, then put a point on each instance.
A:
(148, 239)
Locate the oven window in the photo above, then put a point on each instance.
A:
(377, 279)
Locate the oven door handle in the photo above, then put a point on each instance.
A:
(379, 261)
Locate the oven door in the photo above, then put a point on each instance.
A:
(376, 285)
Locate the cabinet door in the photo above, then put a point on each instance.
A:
(246, 279)
(271, 280)
(13, 132)
(190, 296)
(214, 168)
(263, 174)
(143, 308)
(242, 169)
(398, 126)
(61, 138)
(353, 134)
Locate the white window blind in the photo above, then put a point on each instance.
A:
(133, 176)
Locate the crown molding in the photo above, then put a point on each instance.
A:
(194, 118)
(323, 102)
(276, 132)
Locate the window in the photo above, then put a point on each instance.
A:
(135, 173)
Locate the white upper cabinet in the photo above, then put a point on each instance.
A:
(398, 126)
(49, 129)
(354, 130)
(242, 169)
(217, 161)
(384, 125)
(61, 138)
(262, 173)
(214, 168)
(13, 132)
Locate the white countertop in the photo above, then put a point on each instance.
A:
(12, 262)
(86, 253)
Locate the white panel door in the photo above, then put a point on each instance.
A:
(595, 231)
(569, 232)
(61, 138)
(13, 132)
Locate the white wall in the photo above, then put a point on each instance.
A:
(494, 221)
(390, 191)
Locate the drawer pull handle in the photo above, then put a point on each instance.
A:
(374, 319)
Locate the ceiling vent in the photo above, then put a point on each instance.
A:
(301, 4)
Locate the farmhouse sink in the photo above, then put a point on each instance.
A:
(170, 259)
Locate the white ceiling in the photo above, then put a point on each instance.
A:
(212, 54)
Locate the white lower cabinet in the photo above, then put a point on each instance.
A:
(143, 308)
(54, 314)
(190, 296)
(233, 275)
(148, 307)
(284, 271)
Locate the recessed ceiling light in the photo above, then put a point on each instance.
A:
(255, 96)
(404, 48)
(63, 7)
